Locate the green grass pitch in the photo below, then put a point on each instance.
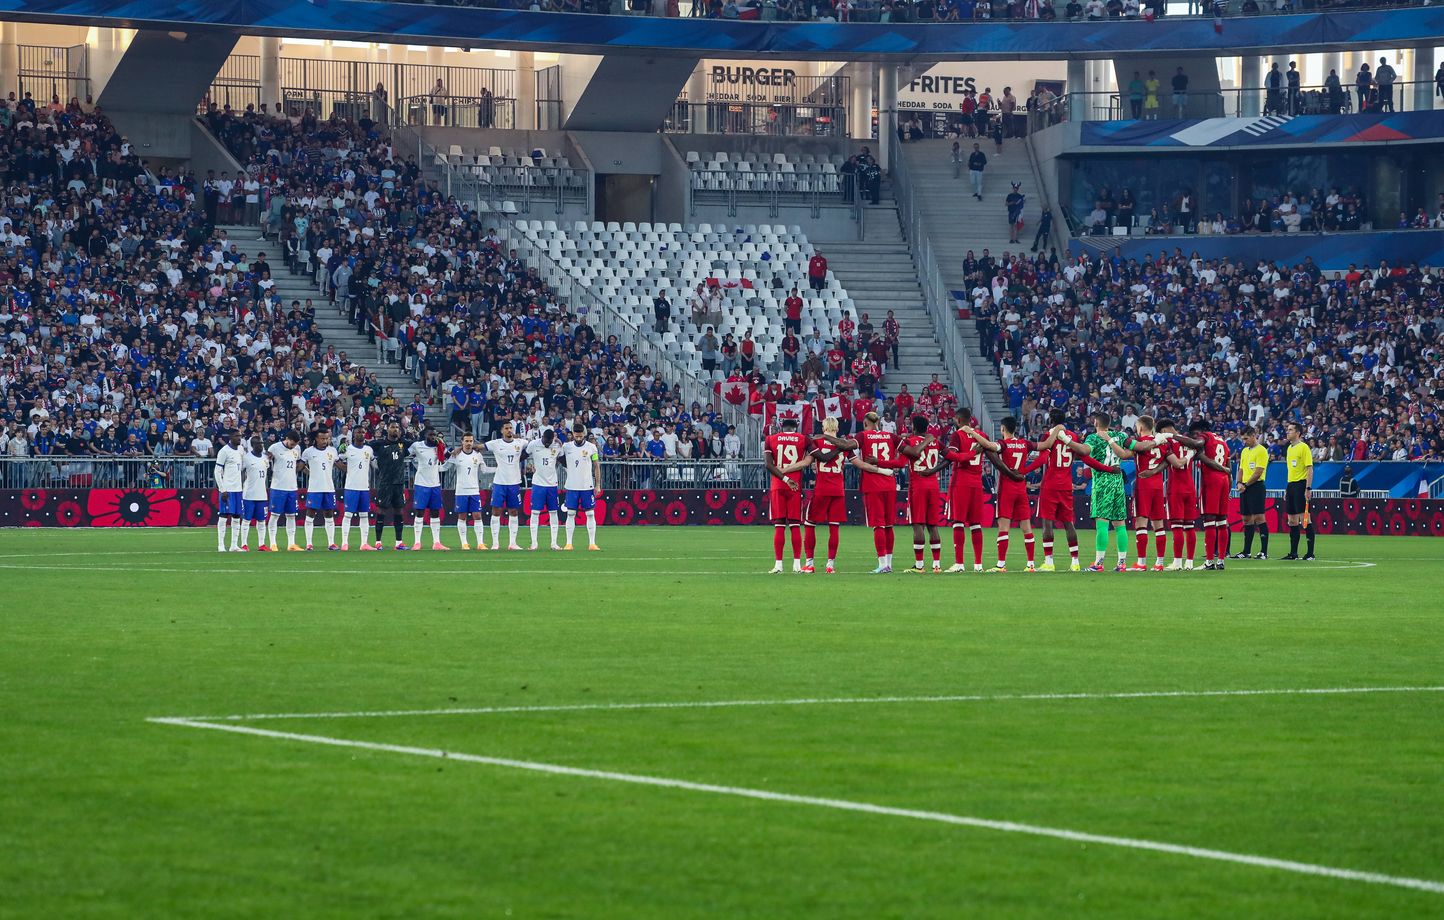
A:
(106, 814)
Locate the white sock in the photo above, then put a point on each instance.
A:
(290, 530)
(236, 525)
(512, 523)
(310, 529)
(535, 526)
(571, 527)
(221, 533)
(592, 528)
(330, 531)
(461, 529)
(365, 528)
(480, 528)
(271, 523)
(495, 529)
(552, 520)
(436, 527)
(416, 527)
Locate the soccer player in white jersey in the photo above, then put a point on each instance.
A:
(285, 459)
(320, 460)
(357, 461)
(468, 464)
(426, 495)
(506, 485)
(228, 484)
(542, 456)
(584, 477)
(254, 463)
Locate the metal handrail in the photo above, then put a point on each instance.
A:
(1235, 102)
(962, 369)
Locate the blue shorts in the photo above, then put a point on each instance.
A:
(468, 504)
(426, 498)
(506, 497)
(581, 500)
(321, 501)
(358, 501)
(284, 502)
(255, 511)
(231, 505)
(544, 498)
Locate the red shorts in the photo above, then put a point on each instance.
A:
(880, 508)
(1013, 505)
(1215, 496)
(925, 506)
(965, 501)
(827, 509)
(785, 506)
(1183, 506)
(1148, 503)
(1055, 504)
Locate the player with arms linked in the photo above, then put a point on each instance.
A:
(356, 491)
(429, 454)
(229, 484)
(468, 464)
(782, 454)
(319, 462)
(584, 484)
(543, 456)
(390, 488)
(925, 496)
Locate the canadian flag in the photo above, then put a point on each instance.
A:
(778, 412)
(734, 391)
(831, 406)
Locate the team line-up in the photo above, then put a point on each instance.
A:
(241, 479)
(1166, 497)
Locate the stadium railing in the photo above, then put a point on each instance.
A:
(1233, 102)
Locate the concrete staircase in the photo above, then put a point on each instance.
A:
(332, 324)
(879, 275)
(955, 222)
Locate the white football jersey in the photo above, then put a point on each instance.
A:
(358, 467)
(508, 461)
(579, 459)
(228, 469)
(468, 471)
(544, 462)
(283, 466)
(254, 468)
(319, 467)
(428, 467)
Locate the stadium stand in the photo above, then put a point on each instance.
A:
(758, 172)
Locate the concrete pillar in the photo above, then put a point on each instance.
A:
(107, 47)
(1423, 77)
(270, 73)
(1077, 86)
(526, 90)
(435, 54)
(860, 116)
(1251, 80)
(9, 60)
(1334, 61)
(886, 114)
(697, 99)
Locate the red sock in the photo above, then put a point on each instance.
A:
(1190, 534)
(918, 553)
(937, 553)
(1177, 541)
(832, 536)
(1142, 546)
(1002, 547)
(1073, 548)
(796, 541)
(1028, 545)
(958, 545)
(891, 536)
(809, 541)
(779, 539)
(879, 541)
(1160, 543)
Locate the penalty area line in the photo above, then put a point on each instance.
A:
(1010, 827)
(813, 701)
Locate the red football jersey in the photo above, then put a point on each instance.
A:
(1058, 469)
(920, 469)
(1014, 454)
(966, 455)
(1215, 449)
(829, 472)
(878, 448)
(1180, 481)
(786, 448)
(1147, 460)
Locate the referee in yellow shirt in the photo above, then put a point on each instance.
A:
(1296, 499)
(1253, 463)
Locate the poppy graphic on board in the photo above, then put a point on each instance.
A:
(134, 508)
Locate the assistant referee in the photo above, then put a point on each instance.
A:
(1253, 463)
(1296, 499)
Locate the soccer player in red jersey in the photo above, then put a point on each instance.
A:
(783, 449)
(1182, 499)
(966, 449)
(1214, 478)
(925, 497)
(1148, 497)
(879, 490)
(1013, 468)
(828, 504)
(1055, 499)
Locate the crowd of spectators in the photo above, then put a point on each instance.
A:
(1342, 208)
(1354, 356)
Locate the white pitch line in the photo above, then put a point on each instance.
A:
(1010, 827)
(816, 701)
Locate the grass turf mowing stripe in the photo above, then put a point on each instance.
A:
(1266, 862)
